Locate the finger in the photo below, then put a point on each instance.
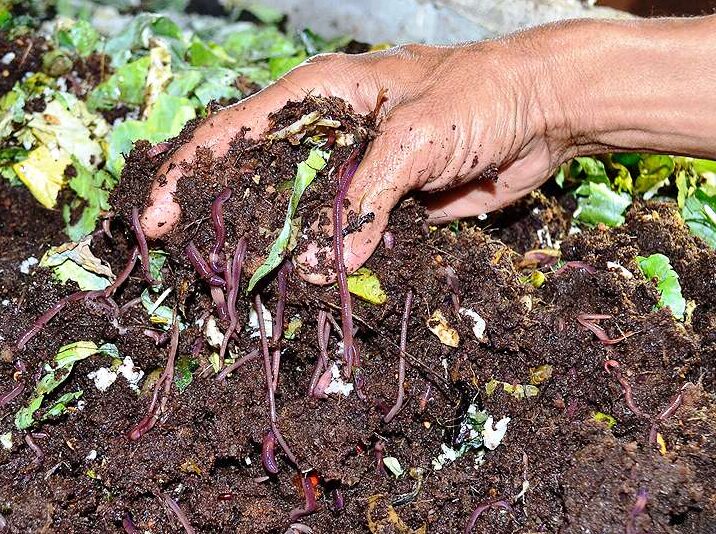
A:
(390, 168)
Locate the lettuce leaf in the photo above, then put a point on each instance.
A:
(65, 360)
(658, 268)
(305, 174)
(597, 203)
(166, 120)
(699, 213)
(365, 285)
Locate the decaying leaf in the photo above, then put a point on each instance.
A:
(76, 262)
(390, 520)
(439, 326)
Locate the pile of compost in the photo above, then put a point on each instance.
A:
(543, 391)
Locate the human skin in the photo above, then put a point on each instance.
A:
(522, 104)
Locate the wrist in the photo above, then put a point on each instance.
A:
(643, 85)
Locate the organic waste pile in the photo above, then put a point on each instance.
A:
(548, 369)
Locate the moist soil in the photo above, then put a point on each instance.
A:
(560, 470)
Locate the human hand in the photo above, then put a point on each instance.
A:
(454, 118)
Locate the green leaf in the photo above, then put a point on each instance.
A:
(79, 36)
(601, 417)
(658, 268)
(305, 174)
(278, 66)
(654, 172)
(76, 262)
(157, 259)
(167, 118)
(184, 369)
(125, 86)
(597, 203)
(365, 284)
(204, 54)
(699, 213)
(65, 359)
(592, 168)
(60, 405)
(23, 417)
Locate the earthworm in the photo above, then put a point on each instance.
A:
(34, 447)
(217, 217)
(401, 366)
(226, 371)
(500, 503)
(122, 277)
(143, 247)
(233, 277)
(626, 387)
(587, 321)
(324, 332)
(202, 267)
(46, 317)
(345, 176)
(310, 495)
(165, 381)
(282, 282)
(668, 412)
(268, 453)
(128, 524)
(12, 394)
(269, 381)
(636, 511)
(173, 507)
(388, 240)
(158, 149)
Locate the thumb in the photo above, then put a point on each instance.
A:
(388, 171)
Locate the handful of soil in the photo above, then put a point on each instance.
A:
(254, 191)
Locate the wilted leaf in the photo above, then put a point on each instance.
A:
(439, 326)
(43, 174)
(76, 262)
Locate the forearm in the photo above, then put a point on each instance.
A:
(644, 85)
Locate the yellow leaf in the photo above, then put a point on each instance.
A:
(365, 285)
(439, 326)
(662, 444)
(43, 175)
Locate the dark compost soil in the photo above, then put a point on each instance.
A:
(576, 475)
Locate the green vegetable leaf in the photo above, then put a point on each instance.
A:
(65, 360)
(597, 203)
(658, 268)
(166, 120)
(365, 284)
(60, 405)
(654, 172)
(184, 369)
(125, 86)
(699, 212)
(78, 35)
(601, 417)
(305, 174)
(157, 259)
(592, 168)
